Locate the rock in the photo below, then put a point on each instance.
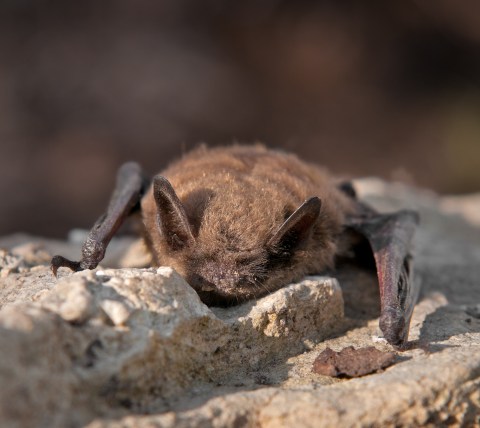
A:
(465, 206)
(125, 251)
(71, 300)
(351, 362)
(136, 347)
(121, 339)
(9, 263)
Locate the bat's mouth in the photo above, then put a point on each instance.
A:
(214, 298)
(222, 294)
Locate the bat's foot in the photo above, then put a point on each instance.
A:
(59, 261)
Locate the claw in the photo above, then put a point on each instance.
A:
(59, 261)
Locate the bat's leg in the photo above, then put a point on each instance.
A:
(129, 189)
(390, 236)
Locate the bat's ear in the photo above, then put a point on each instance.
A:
(172, 218)
(297, 227)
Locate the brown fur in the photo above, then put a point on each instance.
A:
(235, 199)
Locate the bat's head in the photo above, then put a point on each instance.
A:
(229, 249)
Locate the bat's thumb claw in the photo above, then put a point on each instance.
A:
(54, 270)
(59, 261)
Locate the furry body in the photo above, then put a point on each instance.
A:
(242, 221)
(235, 199)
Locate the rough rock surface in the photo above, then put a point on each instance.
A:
(136, 347)
(351, 362)
(104, 342)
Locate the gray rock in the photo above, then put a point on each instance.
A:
(121, 339)
(9, 262)
(136, 347)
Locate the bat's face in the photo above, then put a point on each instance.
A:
(228, 277)
(240, 248)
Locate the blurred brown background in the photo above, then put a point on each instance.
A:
(387, 88)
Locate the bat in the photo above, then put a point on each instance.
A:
(242, 221)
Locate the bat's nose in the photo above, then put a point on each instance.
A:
(224, 277)
(220, 293)
(226, 282)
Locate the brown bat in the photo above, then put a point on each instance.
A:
(240, 222)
